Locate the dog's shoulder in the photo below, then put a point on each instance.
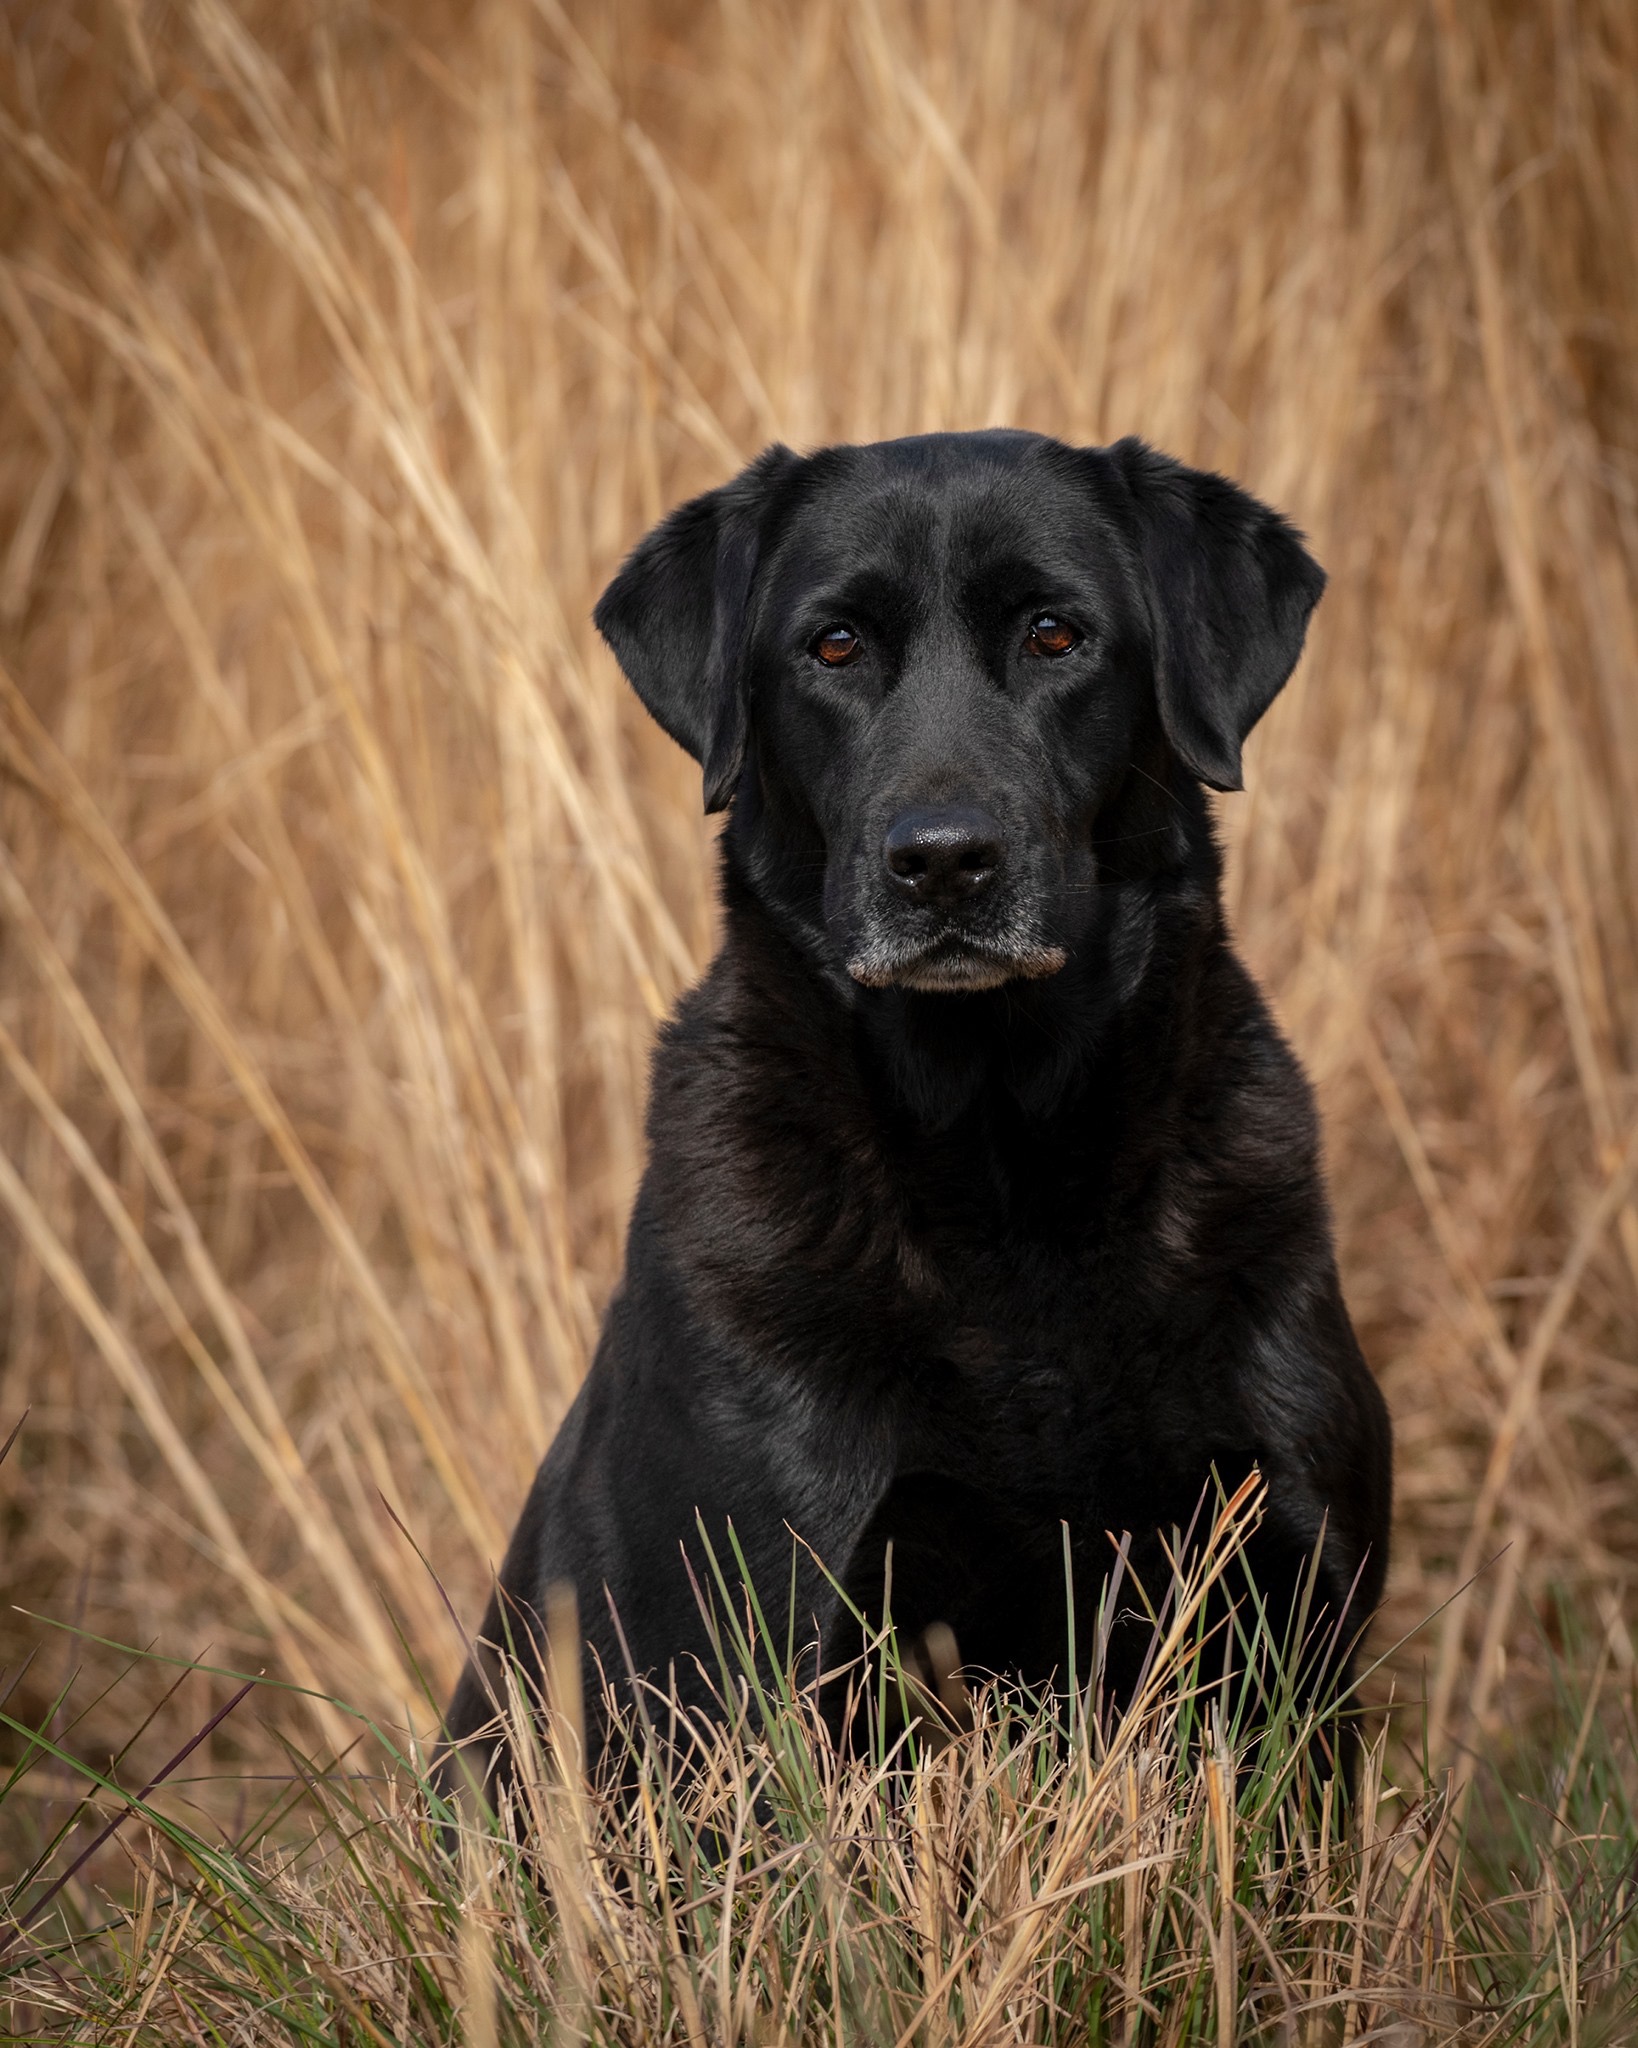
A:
(1245, 1082)
(1230, 1157)
(755, 1060)
(767, 1181)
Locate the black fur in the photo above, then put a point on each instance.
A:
(962, 1220)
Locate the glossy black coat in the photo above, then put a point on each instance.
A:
(950, 1270)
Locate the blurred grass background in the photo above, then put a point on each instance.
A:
(342, 882)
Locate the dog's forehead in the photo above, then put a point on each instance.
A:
(938, 510)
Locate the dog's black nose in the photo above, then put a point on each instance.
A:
(945, 856)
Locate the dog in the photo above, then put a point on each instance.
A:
(983, 1217)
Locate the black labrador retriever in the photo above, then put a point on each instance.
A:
(983, 1195)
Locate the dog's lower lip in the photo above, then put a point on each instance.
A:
(960, 966)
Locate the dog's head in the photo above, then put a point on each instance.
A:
(924, 670)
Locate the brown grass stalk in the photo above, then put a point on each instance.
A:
(341, 882)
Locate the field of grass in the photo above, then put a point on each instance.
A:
(341, 885)
(1029, 1873)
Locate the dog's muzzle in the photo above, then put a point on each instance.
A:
(938, 920)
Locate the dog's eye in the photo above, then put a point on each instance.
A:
(1050, 635)
(836, 646)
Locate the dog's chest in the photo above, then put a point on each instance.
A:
(1077, 1366)
(1046, 1362)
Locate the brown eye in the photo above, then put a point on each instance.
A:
(1050, 636)
(836, 646)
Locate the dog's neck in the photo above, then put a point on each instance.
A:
(1028, 1051)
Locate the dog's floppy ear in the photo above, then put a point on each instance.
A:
(1229, 587)
(677, 613)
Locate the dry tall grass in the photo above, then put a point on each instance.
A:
(341, 883)
(1148, 1883)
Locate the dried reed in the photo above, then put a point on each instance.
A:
(341, 884)
(1045, 1876)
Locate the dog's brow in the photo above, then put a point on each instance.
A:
(1040, 569)
(867, 597)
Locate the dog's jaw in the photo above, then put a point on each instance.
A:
(960, 969)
